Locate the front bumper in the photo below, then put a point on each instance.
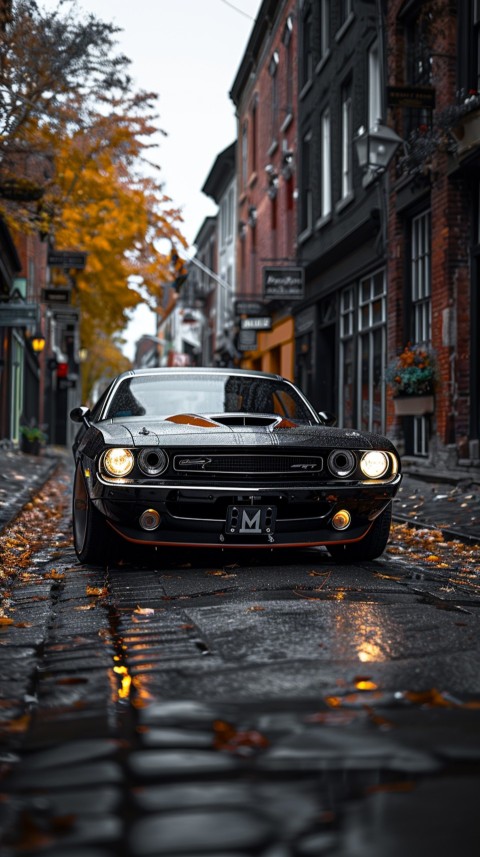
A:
(194, 516)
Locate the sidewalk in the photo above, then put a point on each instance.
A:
(449, 501)
(21, 476)
(442, 501)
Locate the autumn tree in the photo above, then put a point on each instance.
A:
(120, 218)
(79, 135)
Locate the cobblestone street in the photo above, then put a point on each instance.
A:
(271, 708)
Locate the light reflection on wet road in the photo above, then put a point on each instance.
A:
(283, 705)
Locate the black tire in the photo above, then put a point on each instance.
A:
(371, 547)
(93, 540)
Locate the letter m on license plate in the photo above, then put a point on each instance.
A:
(251, 520)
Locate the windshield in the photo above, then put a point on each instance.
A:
(157, 396)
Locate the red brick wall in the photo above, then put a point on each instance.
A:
(266, 241)
(448, 195)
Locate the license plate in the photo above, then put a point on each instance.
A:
(251, 520)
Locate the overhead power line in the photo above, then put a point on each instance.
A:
(240, 11)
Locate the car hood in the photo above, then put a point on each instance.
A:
(185, 430)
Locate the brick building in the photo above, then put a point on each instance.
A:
(265, 96)
(434, 241)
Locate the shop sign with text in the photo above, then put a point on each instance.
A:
(261, 322)
(283, 283)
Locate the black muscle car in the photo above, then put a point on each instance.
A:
(228, 459)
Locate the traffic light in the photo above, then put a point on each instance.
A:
(179, 270)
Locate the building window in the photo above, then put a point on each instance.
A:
(287, 41)
(223, 223)
(306, 184)
(421, 303)
(421, 279)
(346, 398)
(326, 165)
(221, 303)
(273, 68)
(372, 349)
(324, 28)
(230, 216)
(254, 140)
(347, 132)
(244, 154)
(307, 54)
(375, 110)
(420, 46)
(363, 331)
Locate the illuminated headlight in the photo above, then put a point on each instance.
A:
(374, 464)
(118, 461)
(152, 461)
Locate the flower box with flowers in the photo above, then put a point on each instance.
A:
(412, 377)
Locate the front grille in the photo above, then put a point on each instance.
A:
(293, 465)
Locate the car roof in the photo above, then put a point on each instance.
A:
(201, 370)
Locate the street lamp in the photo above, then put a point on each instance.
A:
(38, 342)
(376, 147)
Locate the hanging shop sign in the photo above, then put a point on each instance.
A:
(67, 316)
(247, 307)
(66, 259)
(247, 340)
(411, 96)
(261, 322)
(18, 314)
(283, 283)
(56, 297)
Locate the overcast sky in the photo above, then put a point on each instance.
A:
(189, 52)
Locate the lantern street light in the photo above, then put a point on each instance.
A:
(376, 147)
(38, 342)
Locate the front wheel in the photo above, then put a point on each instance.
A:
(370, 547)
(93, 540)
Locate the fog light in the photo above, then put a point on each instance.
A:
(341, 520)
(149, 519)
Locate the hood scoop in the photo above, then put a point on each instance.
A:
(246, 420)
(228, 420)
(192, 420)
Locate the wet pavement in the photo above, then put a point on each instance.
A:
(95, 766)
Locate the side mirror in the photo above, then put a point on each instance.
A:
(81, 415)
(327, 418)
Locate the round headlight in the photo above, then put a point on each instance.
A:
(118, 461)
(374, 464)
(341, 462)
(152, 461)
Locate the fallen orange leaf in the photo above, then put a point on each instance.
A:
(99, 591)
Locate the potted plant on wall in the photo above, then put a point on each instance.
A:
(412, 377)
(33, 437)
